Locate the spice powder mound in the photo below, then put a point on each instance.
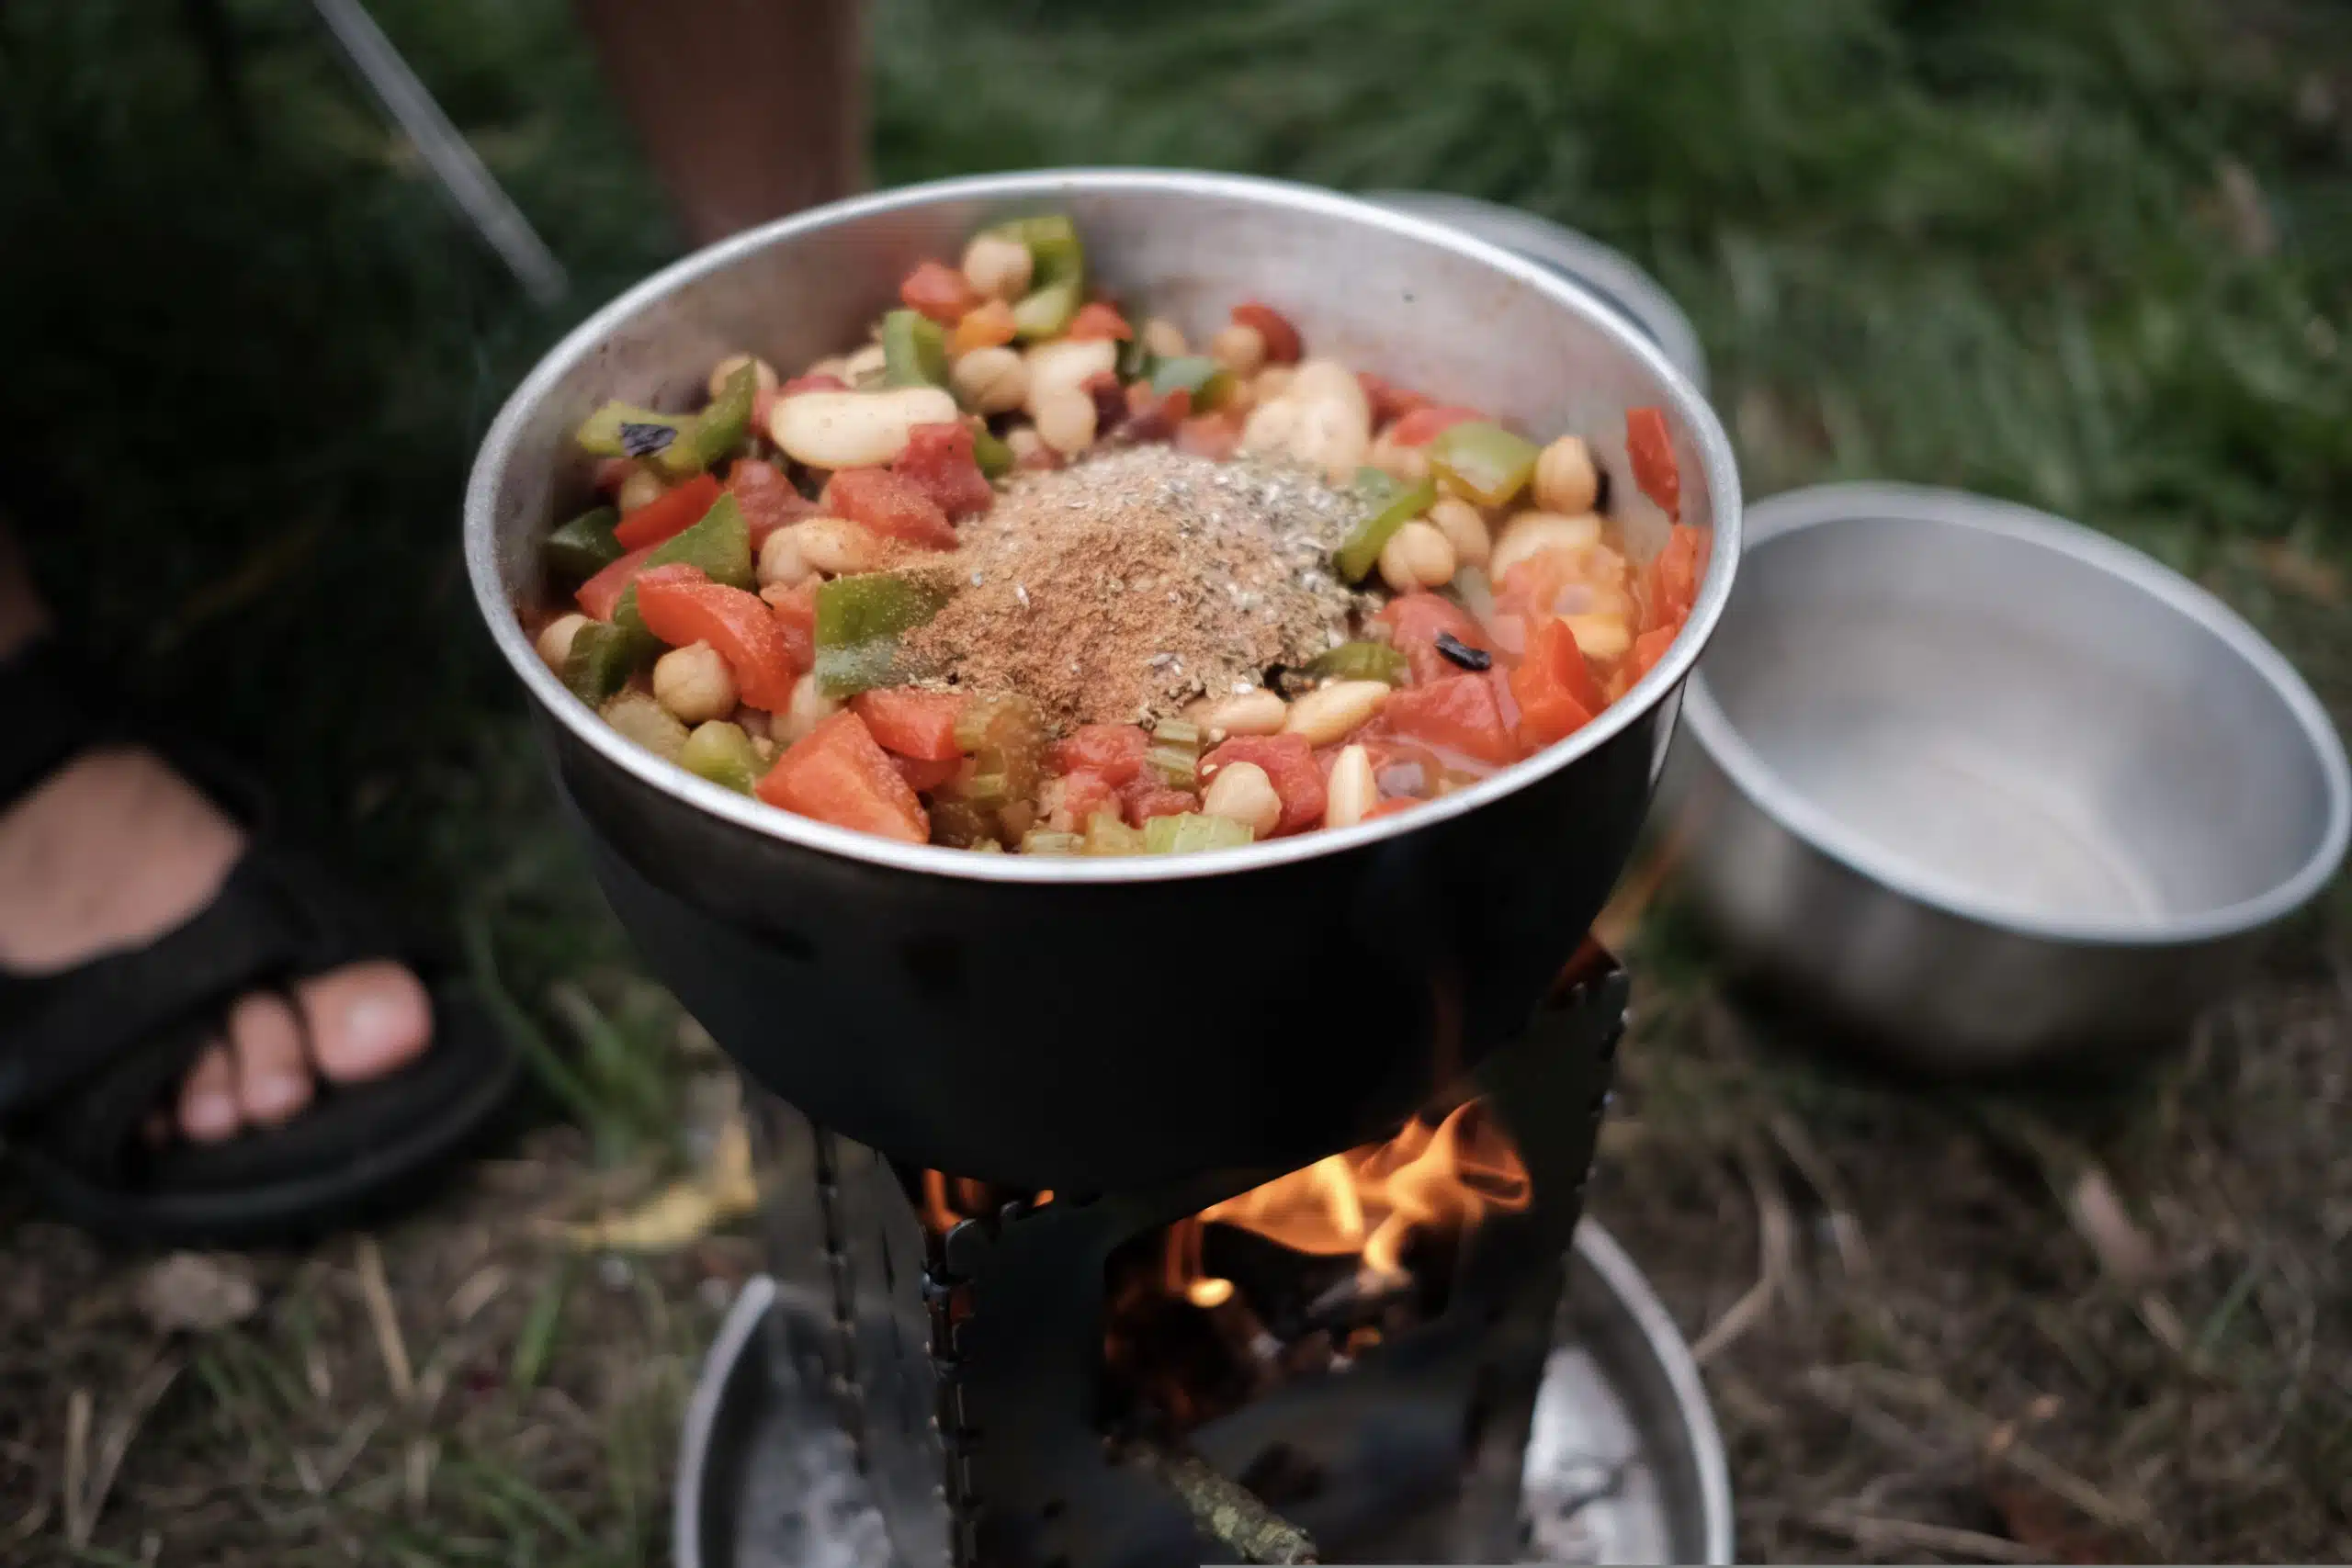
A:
(1120, 588)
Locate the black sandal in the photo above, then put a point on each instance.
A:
(87, 1054)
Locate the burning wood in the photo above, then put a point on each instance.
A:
(1225, 1510)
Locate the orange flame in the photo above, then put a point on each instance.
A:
(1368, 1200)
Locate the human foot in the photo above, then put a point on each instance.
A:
(115, 849)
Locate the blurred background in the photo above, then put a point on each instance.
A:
(2094, 257)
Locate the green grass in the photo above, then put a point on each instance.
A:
(2094, 257)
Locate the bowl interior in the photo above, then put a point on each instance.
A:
(2024, 720)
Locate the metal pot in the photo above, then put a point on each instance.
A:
(1085, 1024)
(1990, 790)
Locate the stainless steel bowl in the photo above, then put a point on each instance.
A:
(1991, 787)
(1072, 1023)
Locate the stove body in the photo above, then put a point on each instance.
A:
(968, 1365)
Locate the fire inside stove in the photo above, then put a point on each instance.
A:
(1339, 1360)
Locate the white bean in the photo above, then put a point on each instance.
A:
(1600, 635)
(865, 365)
(1533, 533)
(1164, 338)
(856, 430)
(1243, 792)
(1065, 367)
(1409, 464)
(1066, 421)
(1334, 712)
(837, 546)
(1464, 528)
(1352, 791)
(1260, 712)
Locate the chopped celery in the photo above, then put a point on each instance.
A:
(584, 547)
(1210, 383)
(1391, 509)
(1006, 738)
(988, 847)
(914, 350)
(720, 546)
(1192, 830)
(1107, 835)
(602, 657)
(1175, 753)
(1363, 662)
(994, 457)
(722, 753)
(1046, 312)
(1046, 842)
(720, 427)
(1486, 462)
(646, 722)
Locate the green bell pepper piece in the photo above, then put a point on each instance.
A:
(994, 457)
(1046, 312)
(1486, 462)
(1393, 505)
(720, 429)
(601, 658)
(668, 441)
(1363, 662)
(914, 350)
(1192, 831)
(1210, 383)
(859, 620)
(722, 753)
(580, 548)
(719, 545)
(1135, 361)
(1057, 275)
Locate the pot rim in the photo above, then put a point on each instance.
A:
(1792, 512)
(1040, 186)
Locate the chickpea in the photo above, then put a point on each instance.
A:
(1260, 712)
(694, 683)
(1331, 436)
(997, 268)
(1464, 527)
(1566, 480)
(1164, 338)
(1066, 421)
(1407, 465)
(1334, 712)
(1238, 348)
(554, 640)
(1352, 791)
(763, 375)
(864, 366)
(1023, 442)
(782, 561)
(1416, 556)
(808, 708)
(1271, 382)
(991, 380)
(835, 545)
(1242, 791)
(641, 489)
(833, 365)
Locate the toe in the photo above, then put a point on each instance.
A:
(209, 1097)
(273, 1074)
(366, 1020)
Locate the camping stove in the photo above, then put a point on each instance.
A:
(939, 1373)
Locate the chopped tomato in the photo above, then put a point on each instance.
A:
(669, 513)
(1671, 584)
(1414, 621)
(1154, 416)
(796, 616)
(1421, 425)
(1213, 435)
(894, 507)
(1648, 648)
(1531, 588)
(817, 383)
(1459, 713)
(1095, 320)
(911, 721)
(769, 499)
(679, 605)
(1652, 450)
(939, 291)
(938, 459)
(1086, 792)
(1289, 763)
(836, 773)
(1113, 751)
(986, 325)
(1558, 695)
(1146, 797)
(601, 594)
(1389, 402)
(925, 776)
(1283, 346)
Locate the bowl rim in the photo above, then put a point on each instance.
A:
(1041, 187)
(1792, 512)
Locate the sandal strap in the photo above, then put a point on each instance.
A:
(274, 920)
